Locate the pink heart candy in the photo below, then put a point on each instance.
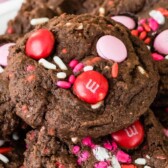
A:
(4, 52)
(125, 20)
(112, 48)
(161, 42)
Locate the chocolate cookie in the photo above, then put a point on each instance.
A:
(114, 150)
(86, 75)
(8, 119)
(47, 151)
(145, 136)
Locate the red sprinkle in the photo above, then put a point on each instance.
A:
(64, 50)
(30, 78)
(92, 61)
(5, 150)
(143, 35)
(147, 40)
(59, 165)
(10, 30)
(134, 32)
(114, 72)
(146, 27)
(30, 68)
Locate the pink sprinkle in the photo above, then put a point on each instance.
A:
(73, 63)
(140, 29)
(142, 21)
(165, 132)
(101, 164)
(123, 157)
(63, 84)
(75, 150)
(157, 57)
(71, 79)
(30, 68)
(84, 155)
(87, 141)
(153, 24)
(78, 68)
(107, 145)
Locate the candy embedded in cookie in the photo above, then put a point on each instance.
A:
(91, 83)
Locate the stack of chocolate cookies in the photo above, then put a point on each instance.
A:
(78, 81)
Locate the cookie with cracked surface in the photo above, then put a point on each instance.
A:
(90, 76)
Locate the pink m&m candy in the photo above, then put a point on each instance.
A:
(4, 52)
(40, 44)
(161, 42)
(91, 87)
(130, 137)
(112, 48)
(126, 21)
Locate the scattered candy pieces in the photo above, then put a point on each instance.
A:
(63, 84)
(40, 44)
(60, 63)
(100, 153)
(75, 150)
(158, 16)
(47, 64)
(125, 20)
(4, 52)
(157, 57)
(78, 68)
(101, 164)
(4, 159)
(140, 161)
(88, 68)
(5, 150)
(97, 105)
(123, 157)
(114, 70)
(61, 75)
(130, 137)
(73, 63)
(161, 42)
(111, 48)
(1, 69)
(37, 21)
(91, 87)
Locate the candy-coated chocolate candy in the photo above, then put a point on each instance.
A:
(4, 52)
(91, 87)
(125, 20)
(130, 137)
(40, 44)
(161, 42)
(111, 48)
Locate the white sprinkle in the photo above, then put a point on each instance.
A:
(88, 68)
(80, 27)
(140, 161)
(157, 15)
(166, 57)
(97, 105)
(4, 159)
(60, 63)
(148, 157)
(100, 153)
(148, 47)
(38, 21)
(1, 69)
(74, 140)
(15, 136)
(101, 11)
(61, 75)
(1, 142)
(147, 167)
(47, 64)
(68, 24)
(115, 163)
(142, 71)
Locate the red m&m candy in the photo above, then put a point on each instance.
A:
(130, 137)
(40, 44)
(91, 87)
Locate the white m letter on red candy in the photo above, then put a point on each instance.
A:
(131, 131)
(92, 86)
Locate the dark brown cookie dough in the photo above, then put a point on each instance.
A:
(41, 100)
(47, 151)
